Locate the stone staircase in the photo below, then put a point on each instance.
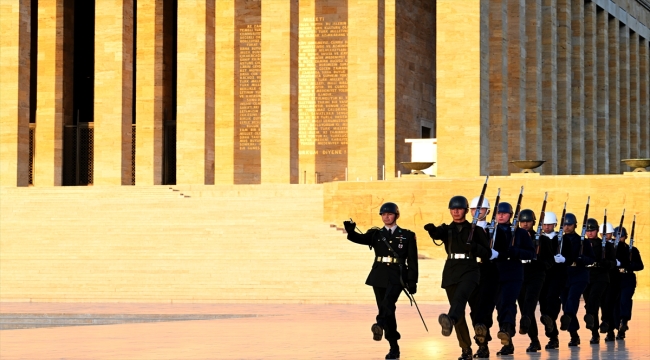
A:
(238, 243)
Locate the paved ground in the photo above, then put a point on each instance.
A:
(255, 331)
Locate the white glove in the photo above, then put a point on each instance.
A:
(495, 254)
(559, 259)
(618, 263)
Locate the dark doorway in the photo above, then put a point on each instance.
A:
(170, 13)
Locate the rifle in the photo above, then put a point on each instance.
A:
(620, 229)
(493, 223)
(632, 237)
(539, 227)
(604, 234)
(561, 233)
(477, 213)
(584, 226)
(515, 221)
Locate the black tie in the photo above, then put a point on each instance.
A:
(390, 232)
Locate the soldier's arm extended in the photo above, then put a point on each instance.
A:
(412, 260)
(636, 264)
(437, 232)
(355, 237)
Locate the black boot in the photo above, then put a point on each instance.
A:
(466, 355)
(506, 350)
(565, 321)
(622, 330)
(595, 338)
(524, 325)
(610, 336)
(393, 354)
(553, 343)
(575, 339)
(534, 346)
(604, 327)
(549, 324)
(447, 323)
(589, 321)
(377, 332)
(483, 352)
(504, 335)
(394, 350)
(480, 334)
(624, 326)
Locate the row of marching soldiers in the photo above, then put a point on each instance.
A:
(505, 266)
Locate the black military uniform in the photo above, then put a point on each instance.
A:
(594, 293)
(511, 275)
(390, 274)
(460, 275)
(577, 255)
(534, 275)
(549, 301)
(630, 262)
(482, 305)
(612, 296)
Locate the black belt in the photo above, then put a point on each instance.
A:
(526, 261)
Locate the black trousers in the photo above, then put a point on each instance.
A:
(549, 301)
(506, 303)
(528, 298)
(458, 296)
(628, 286)
(386, 299)
(481, 303)
(612, 301)
(571, 302)
(594, 295)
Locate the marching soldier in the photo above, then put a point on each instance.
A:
(534, 275)
(612, 296)
(460, 275)
(481, 303)
(549, 301)
(594, 293)
(577, 254)
(630, 262)
(394, 270)
(510, 252)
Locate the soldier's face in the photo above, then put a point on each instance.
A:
(608, 236)
(481, 215)
(591, 234)
(623, 238)
(548, 228)
(388, 219)
(503, 218)
(569, 229)
(526, 225)
(458, 214)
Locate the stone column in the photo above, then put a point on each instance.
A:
(149, 93)
(577, 88)
(498, 63)
(624, 88)
(644, 97)
(225, 111)
(590, 90)
(462, 87)
(113, 92)
(363, 100)
(534, 118)
(635, 75)
(516, 81)
(613, 131)
(307, 92)
(54, 89)
(196, 92)
(276, 134)
(549, 85)
(15, 25)
(390, 93)
(602, 68)
(564, 93)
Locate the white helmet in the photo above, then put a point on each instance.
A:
(610, 229)
(474, 204)
(550, 218)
